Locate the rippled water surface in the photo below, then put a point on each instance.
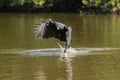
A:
(95, 52)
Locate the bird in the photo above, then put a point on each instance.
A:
(53, 29)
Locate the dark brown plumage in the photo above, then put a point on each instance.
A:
(49, 28)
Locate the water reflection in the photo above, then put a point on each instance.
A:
(81, 67)
(88, 30)
(96, 36)
(68, 64)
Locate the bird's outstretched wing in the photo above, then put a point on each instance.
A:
(45, 29)
(57, 30)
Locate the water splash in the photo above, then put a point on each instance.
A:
(72, 52)
(68, 52)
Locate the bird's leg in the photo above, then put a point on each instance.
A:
(66, 47)
(60, 47)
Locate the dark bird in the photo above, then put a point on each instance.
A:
(50, 28)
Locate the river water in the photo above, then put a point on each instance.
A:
(95, 52)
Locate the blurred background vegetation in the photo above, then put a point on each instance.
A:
(75, 6)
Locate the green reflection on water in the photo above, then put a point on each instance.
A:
(16, 30)
(16, 33)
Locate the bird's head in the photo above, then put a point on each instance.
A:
(49, 22)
